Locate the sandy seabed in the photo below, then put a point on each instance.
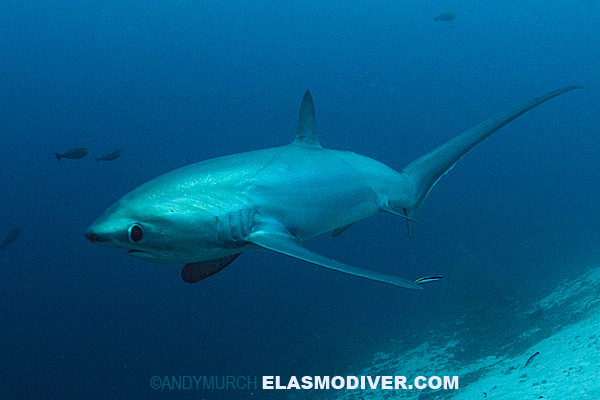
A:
(567, 366)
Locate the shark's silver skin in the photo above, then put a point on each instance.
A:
(206, 214)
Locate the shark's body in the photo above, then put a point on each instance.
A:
(206, 214)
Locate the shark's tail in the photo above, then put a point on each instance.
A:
(424, 172)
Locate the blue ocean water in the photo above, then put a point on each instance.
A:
(177, 82)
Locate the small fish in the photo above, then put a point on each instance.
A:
(73, 154)
(429, 279)
(531, 359)
(109, 156)
(447, 16)
(10, 237)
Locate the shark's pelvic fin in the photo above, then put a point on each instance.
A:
(424, 172)
(280, 240)
(194, 272)
(340, 230)
(307, 126)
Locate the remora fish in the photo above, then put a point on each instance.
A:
(208, 213)
(447, 16)
(74, 154)
(110, 156)
(10, 237)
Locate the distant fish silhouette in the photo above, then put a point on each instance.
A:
(447, 16)
(73, 154)
(109, 156)
(10, 237)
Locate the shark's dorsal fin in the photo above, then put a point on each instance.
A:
(307, 126)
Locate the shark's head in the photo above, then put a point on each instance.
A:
(157, 223)
(140, 234)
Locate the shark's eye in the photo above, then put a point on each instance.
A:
(135, 233)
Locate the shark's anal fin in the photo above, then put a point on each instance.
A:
(194, 272)
(281, 241)
(342, 229)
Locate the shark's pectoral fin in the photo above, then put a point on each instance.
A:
(194, 272)
(283, 242)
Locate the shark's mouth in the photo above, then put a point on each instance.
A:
(139, 254)
(155, 257)
(150, 256)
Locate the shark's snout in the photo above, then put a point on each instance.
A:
(94, 238)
